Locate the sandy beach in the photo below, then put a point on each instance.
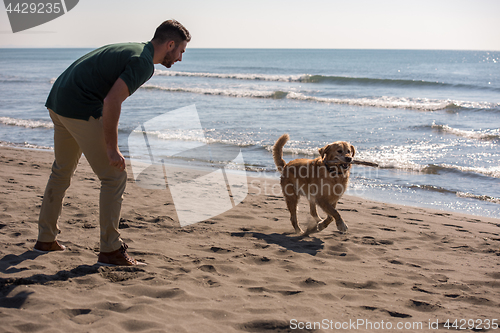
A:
(399, 268)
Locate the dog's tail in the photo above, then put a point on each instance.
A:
(278, 152)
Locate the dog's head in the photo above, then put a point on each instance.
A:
(339, 152)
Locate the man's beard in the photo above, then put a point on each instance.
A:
(167, 60)
(166, 63)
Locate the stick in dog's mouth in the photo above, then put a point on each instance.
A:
(375, 165)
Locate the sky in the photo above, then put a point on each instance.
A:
(319, 24)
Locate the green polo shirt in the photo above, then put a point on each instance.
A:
(80, 90)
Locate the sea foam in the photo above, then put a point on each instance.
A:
(28, 123)
(421, 104)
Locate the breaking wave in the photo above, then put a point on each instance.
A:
(25, 145)
(332, 79)
(488, 134)
(421, 104)
(460, 194)
(28, 123)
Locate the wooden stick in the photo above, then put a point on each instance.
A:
(375, 165)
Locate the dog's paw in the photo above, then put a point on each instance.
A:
(299, 230)
(322, 226)
(342, 227)
(311, 229)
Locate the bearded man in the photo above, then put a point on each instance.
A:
(85, 105)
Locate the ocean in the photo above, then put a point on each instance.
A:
(429, 118)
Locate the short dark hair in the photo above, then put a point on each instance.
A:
(171, 30)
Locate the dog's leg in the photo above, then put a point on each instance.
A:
(317, 227)
(314, 211)
(331, 211)
(323, 224)
(312, 227)
(291, 202)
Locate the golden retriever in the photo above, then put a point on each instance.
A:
(322, 181)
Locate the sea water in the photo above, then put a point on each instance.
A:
(429, 118)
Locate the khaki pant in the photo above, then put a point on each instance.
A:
(71, 138)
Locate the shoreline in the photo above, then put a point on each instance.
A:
(253, 175)
(241, 271)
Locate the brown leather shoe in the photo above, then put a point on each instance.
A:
(119, 257)
(45, 247)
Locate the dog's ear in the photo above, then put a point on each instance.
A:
(322, 151)
(353, 151)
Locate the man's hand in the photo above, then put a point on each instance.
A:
(116, 158)
(110, 117)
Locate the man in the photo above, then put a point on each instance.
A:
(85, 106)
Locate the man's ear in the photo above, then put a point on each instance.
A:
(170, 45)
(353, 151)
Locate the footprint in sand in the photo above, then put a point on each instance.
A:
(369, 240)
(359, 285)
(219, 250)
(120, 274)
(312, 283)
(385, 215)
(391, 313)
(417, 288)
(284, 292)
(422, 306)
(266, 326)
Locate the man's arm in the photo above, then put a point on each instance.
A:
(110, 117)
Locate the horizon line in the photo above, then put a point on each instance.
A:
(261, 48)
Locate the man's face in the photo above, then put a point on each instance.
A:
(174, 55)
